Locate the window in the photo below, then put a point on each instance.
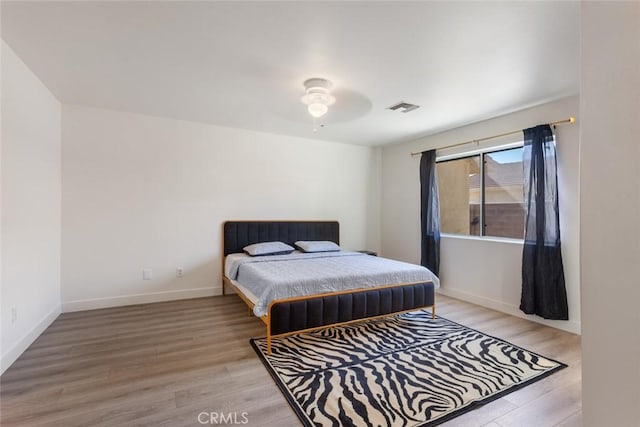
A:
(482, 194)
(459, 195)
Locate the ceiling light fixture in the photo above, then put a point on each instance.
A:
(317, 97)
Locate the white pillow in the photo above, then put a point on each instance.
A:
(317, 246)
(268, 248)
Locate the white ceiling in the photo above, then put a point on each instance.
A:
(242, 64)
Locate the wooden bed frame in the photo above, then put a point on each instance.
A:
(306, 313)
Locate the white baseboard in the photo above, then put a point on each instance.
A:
(19, 347)
(566, 325)
(96, 303)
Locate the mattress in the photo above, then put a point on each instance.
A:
(268, 278)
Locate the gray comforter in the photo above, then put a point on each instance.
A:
(284, 276)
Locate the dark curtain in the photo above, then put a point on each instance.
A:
(543, 287)
(429, 212)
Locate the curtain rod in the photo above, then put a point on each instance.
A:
(477, 141)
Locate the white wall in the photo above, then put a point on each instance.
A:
(479, 270)
(30, 207)
(610, 212)
(146, 192)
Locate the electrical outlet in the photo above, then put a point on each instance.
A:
(147, 274)
(179, 272)
(14, 314)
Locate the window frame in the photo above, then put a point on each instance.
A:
(481, 152)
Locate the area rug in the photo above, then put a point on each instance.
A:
(404, 370)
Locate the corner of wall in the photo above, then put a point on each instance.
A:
(11, 355)
(31, 291)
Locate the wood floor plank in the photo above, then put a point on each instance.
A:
(547, 410)
(164, 364)
(574, 420)
(483, 415)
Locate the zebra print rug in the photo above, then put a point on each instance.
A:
(404, 370)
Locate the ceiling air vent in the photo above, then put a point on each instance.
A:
(403, 107)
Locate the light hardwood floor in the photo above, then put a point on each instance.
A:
(165, 363)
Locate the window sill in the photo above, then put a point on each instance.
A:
(484, 238)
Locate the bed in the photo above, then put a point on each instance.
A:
(305, 291)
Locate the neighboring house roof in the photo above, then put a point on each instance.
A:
(498, 174)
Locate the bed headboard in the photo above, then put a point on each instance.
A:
(238, 234)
